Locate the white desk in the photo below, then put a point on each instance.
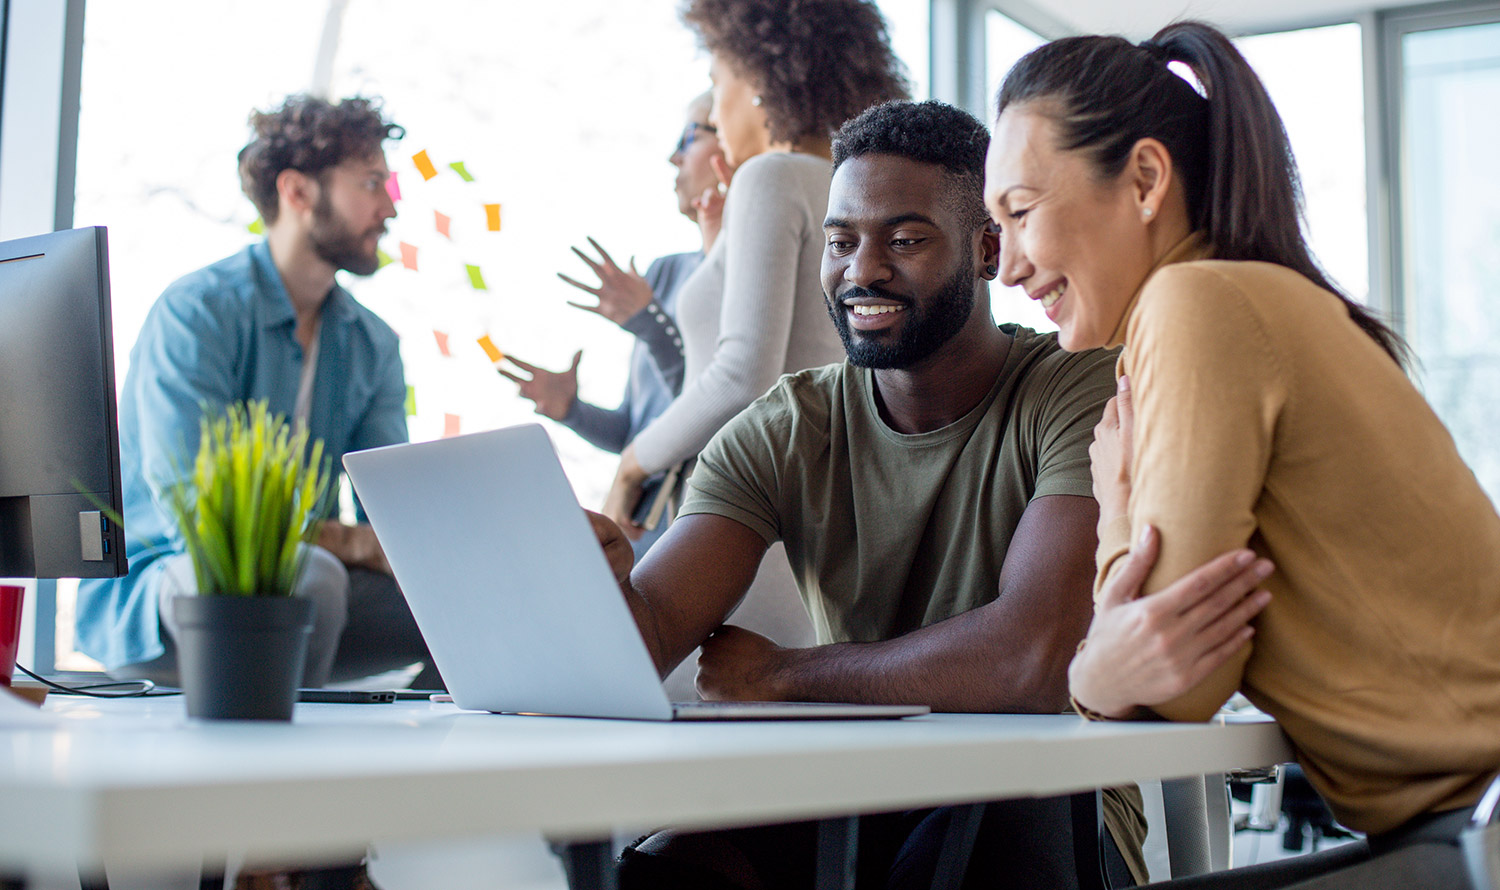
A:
(135, 783)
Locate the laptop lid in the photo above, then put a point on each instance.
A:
(505, 578)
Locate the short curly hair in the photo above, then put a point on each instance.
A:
(310, 135)
(815, 63)
(931, 132)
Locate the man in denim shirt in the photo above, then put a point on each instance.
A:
(270, 323)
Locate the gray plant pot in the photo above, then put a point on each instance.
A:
(241, 658)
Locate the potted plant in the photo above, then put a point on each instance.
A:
(245, 511)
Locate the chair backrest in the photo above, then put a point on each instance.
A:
(1195, 822)
(1481, 841)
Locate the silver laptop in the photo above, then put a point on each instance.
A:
(512, 592)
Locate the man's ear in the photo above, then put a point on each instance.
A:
(989, 251)
(296, 191)
(1151, 172)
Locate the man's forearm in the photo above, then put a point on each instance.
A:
(967, 663)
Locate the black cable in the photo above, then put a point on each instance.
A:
(140, 688)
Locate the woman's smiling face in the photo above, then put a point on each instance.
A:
(1078, 245)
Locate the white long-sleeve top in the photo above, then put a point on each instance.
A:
(753, 310)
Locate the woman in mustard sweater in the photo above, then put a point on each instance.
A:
(1259, 408)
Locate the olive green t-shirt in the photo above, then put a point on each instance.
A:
(887, 532)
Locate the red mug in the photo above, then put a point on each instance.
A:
(10, 630)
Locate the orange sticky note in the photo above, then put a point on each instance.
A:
(450, 425)
(409, 256)
(490, 349)
(442, 341)
(424, 164)
(442, 221)
(492, 214)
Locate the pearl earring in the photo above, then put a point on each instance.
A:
(755, 101)
(1147, 213)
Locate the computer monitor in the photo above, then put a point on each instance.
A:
(59, 436)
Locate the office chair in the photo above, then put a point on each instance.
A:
(1481, 841)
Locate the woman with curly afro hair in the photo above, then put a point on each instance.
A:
(786, 75)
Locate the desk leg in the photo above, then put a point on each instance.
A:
(838, 852)
(591, 866)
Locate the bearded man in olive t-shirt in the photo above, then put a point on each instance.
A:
(934, 496)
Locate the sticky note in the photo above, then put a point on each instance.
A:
(475, 278)
(392, 187)
(458, 167)
(442, 221)
(492, 214)
(258, 227)
(424, 164)
(382, 259)
(450, 425)
(409, 256)
(490, 349)
(442, 341)
(411, 401)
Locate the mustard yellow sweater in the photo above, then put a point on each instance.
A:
(1265, 417)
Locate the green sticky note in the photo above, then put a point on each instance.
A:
(411, 401)
(383, 259)
(258, 227)
(458, 167)
(475, 278)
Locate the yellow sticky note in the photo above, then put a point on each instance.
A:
(458, 167)
(492, 215)
(258, 227)
(424, 164)
(490, 349)
(383, 259)
(450, 425)
(476, 278)
(442, 222)
(411, 401)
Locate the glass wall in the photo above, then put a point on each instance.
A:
(1450, 197)
(1005, 42)
(562, 113)
(1315, 78)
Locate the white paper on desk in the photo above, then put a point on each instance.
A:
(14, 712)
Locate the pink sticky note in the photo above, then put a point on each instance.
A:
(409, 256)
(442, 220)
(393, 188)
(450, 425)
(442, 341)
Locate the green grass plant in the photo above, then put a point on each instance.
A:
(253, 497)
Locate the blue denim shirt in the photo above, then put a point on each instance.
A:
(223, 334)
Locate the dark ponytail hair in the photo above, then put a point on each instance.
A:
(1228, 145)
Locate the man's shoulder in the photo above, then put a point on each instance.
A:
(794, 407)
(376, 329)
(215, 294)
(1045, 369)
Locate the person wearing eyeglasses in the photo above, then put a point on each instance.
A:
(644, 305)
(785, 78)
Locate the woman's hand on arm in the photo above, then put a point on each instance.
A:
(1143, 651)
(1110, 455)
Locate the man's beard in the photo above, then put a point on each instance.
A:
(921, 332)
(336, 245)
